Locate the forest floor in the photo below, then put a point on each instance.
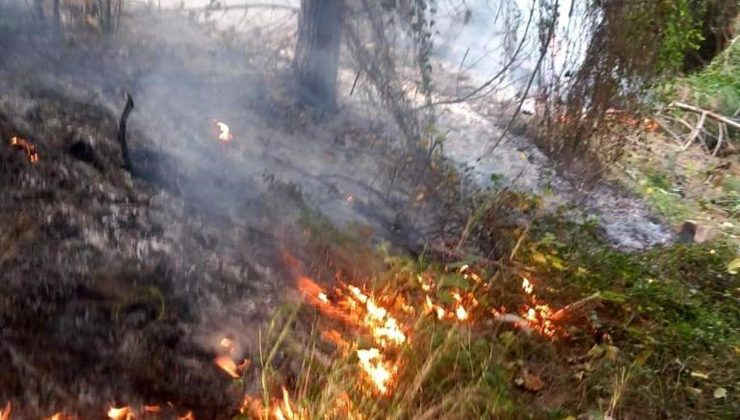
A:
(121, 290)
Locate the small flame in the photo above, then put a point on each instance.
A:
(461, 313)
(371, 361)
(225, 134)
(152, 409)
(5, 412)
(322, 297)
(123, 413)
(227, 365)
(29, 148)
(527, 286)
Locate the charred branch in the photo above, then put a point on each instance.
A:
(127, 164)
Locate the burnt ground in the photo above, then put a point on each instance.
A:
(116, 289)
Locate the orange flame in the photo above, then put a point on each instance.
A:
(538, 315)
(152, 409)
(5, 412)
(228, 366)
(123, 413)
(29, 148)
(374, 365)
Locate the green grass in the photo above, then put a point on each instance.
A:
(658, 189)
(661, 341)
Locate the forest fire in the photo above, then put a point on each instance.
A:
(29, 148)
(224, 132)
(362, 310)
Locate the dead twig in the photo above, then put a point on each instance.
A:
(565, 310)
(665, 128)
(722, 128)
(695, 131)
(705, 113)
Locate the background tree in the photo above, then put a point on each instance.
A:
(317, 52)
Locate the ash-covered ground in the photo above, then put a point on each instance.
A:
(116, 289)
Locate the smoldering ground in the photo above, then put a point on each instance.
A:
(117, 286)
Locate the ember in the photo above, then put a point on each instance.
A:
(224, 131)
(29, 148)
(228, 366)
(59, 416)
(123, 413)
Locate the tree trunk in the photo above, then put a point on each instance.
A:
(57, 21)
(39, 6)
(107, 16)
(317, 53)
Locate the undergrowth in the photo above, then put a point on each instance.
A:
(657, 334)
(716, 87)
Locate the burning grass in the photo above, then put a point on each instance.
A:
(430, 339)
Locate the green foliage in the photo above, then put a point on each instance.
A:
(681, 32)
(717, 87)
(675, 307)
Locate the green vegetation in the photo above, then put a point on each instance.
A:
(651, 334)
(716, 87)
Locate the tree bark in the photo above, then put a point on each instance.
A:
(317, 53)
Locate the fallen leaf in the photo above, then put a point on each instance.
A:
(720, 393)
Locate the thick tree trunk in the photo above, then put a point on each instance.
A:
(317, 52)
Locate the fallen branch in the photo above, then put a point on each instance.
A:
(705, 113)
(127, 164)
(562, 312)
(511, 266)
(695, 132)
